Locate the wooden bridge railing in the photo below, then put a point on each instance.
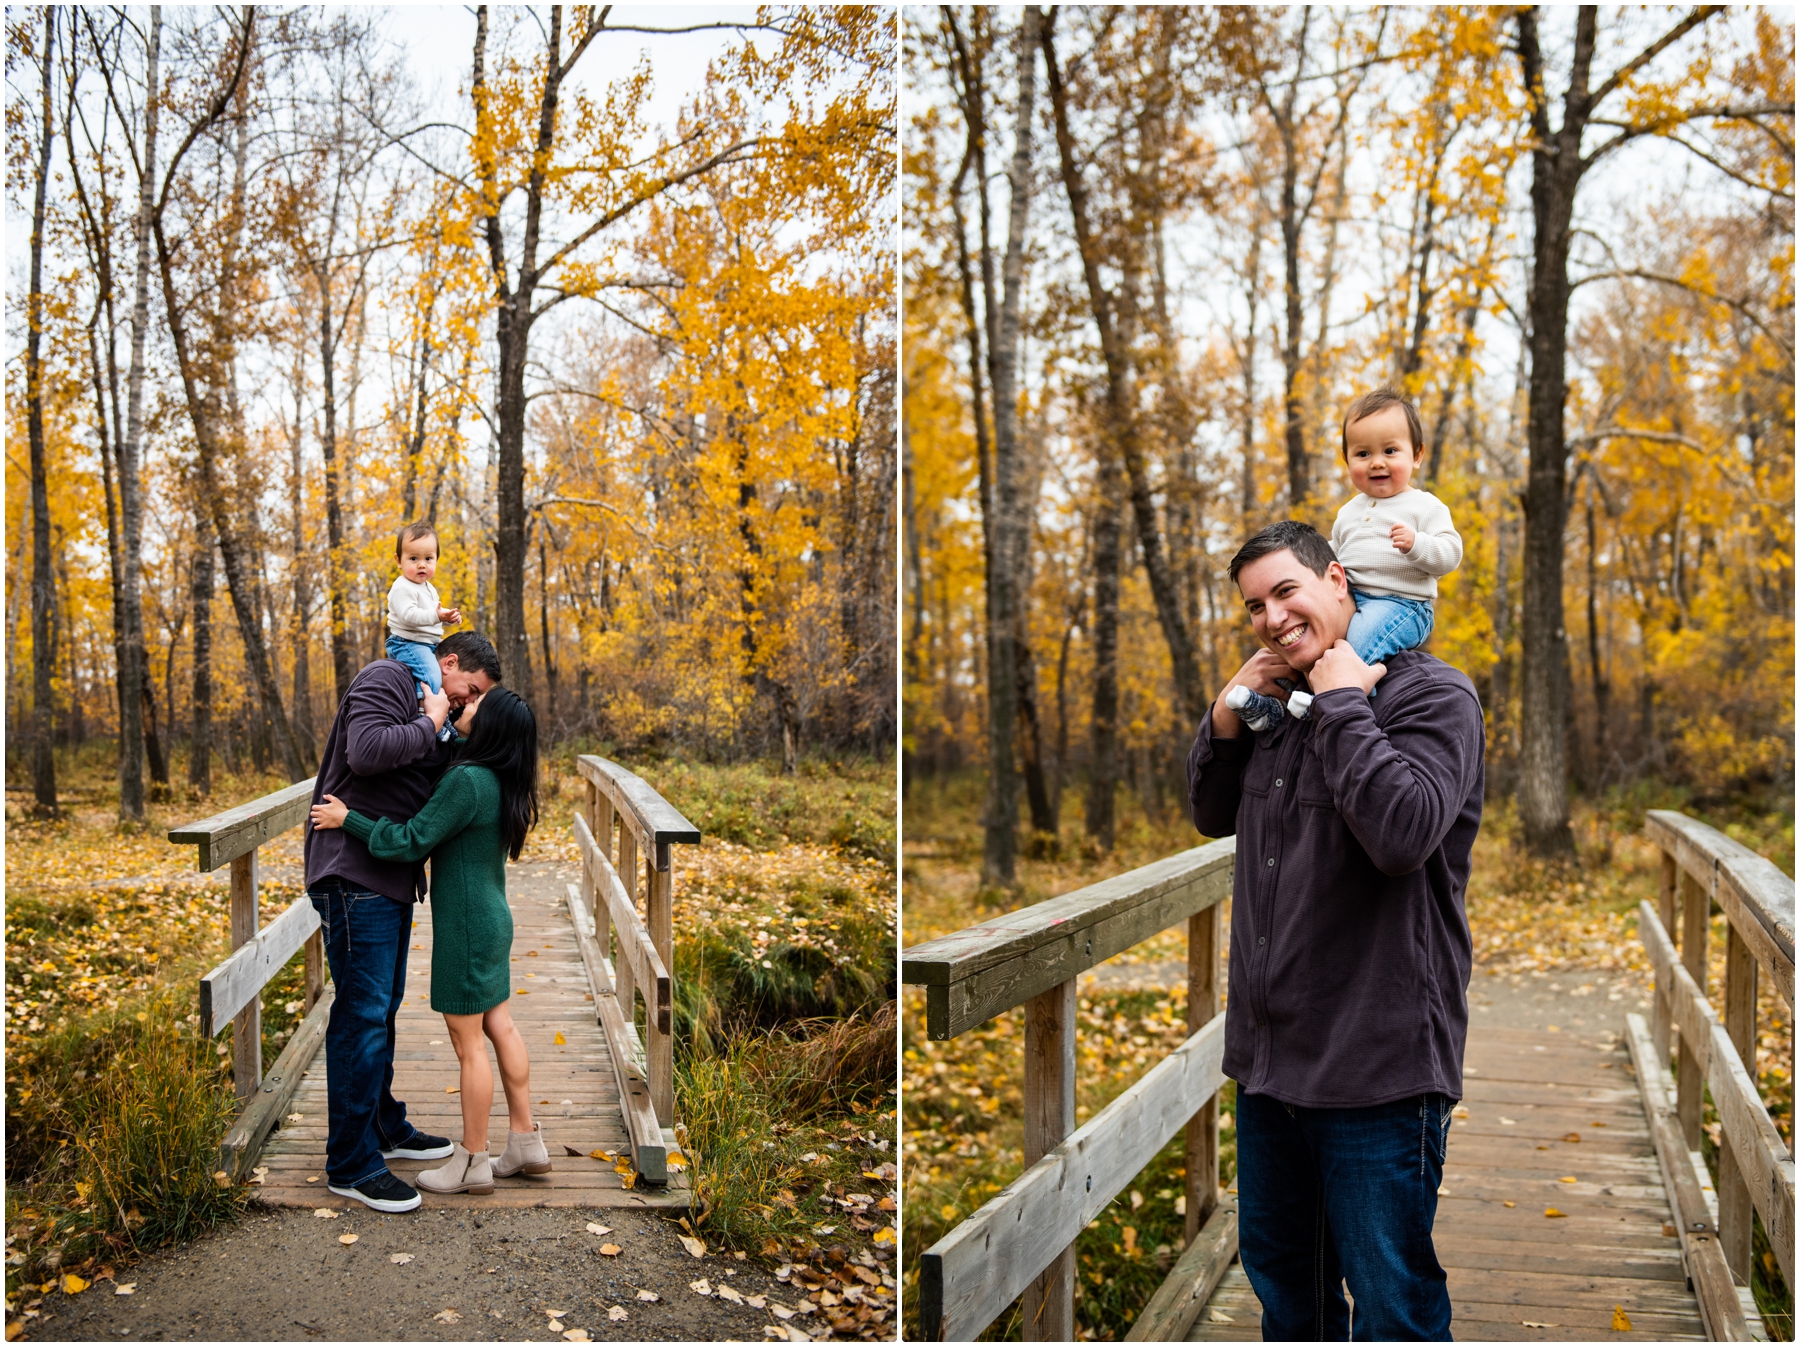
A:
(604, 906)
(1022, 1242)
(1701, 867)
(232, 992)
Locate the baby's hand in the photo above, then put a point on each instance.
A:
(1401, 537)
(330, 814)
(452, 615)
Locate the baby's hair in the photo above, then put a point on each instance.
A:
(414, 531)
(1379, 401)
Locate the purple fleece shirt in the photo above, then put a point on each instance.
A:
(1350, 951)
(382, 759)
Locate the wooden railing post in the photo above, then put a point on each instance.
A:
(628, 876)
(600, 823)
(315, 968)
(1203, 1130)
(659, 1047)
(246, 1027)
(1662, 1009)
(1049, 1301)
(1740, 1026)
(1696, 920)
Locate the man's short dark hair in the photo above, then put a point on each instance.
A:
(1379, 401)
(473, 651)
(1288, 535)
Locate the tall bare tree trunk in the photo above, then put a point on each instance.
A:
(200, 593)
(1115, 349)
(1103, 731)
(43, 595)
(303, 726)
(1556, 171)
(131, 753)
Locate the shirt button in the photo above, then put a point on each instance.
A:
(1278, 781)
(1262, 940)
(1271, 860)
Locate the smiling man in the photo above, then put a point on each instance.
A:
(1350, 952)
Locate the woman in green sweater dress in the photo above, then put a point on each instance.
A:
(480, 812)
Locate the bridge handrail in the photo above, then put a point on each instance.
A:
(975, 974)
(1756, 1168)
(231, 993)
(1022, 1241)
(1756, 897)
(241, 829)
(656, 822)
(604, 903)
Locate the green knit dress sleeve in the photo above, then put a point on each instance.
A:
(452, 808)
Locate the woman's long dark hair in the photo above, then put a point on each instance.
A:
(504, 740)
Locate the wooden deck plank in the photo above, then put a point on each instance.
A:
(575, 1077)
(1513, 1266)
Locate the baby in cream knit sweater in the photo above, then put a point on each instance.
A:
(1392, 540)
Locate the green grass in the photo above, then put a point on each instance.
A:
(113, 1127)
(843, 803)
(782, 1120)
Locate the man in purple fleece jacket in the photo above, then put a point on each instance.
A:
(383, 758)
(1350, 950)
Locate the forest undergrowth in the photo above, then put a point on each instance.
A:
(785, 1023)
(964, 1099)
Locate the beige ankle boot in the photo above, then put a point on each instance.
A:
(466, 1172)
(524, 1151)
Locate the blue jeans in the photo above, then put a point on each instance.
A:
(365, 945)
(1328, 1196)
(420, 658)
(1383, 625)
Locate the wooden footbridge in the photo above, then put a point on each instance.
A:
(1639, 1235)
(593, 1000)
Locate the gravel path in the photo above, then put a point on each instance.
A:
(284, 1275)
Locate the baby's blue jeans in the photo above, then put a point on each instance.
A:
(422, 660)
(1384, 624)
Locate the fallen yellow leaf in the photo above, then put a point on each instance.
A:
(1568, 1178)
(15, 1330)
(1552, 1211)
(697, 1247)
(560, 1040)
(1621, 1321)
(347, 1239)
(73, 1285)
(885, 1235)
(453, 1089)
(616, 1313)
(1509, 1204)
(611, 1250)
